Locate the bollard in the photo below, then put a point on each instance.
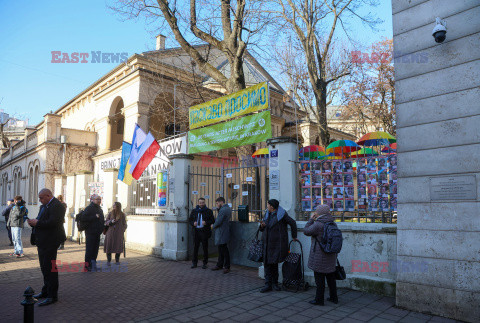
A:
(27, 303)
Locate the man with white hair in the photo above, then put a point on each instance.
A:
(47, 234)
(93, 216)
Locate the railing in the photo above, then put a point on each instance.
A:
(145, 197)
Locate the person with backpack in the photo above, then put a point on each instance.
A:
(18, 215)
(95, 220)
(326, 243)
(275, 241)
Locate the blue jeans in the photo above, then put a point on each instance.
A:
(17, 240)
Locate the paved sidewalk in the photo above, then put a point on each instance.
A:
(152, 289)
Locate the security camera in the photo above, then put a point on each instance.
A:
(440, 30)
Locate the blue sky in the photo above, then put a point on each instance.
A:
(30, 85)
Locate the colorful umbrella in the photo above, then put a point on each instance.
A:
(364, 152)
(261, 153)
(390, 149)
(376, 138)
(341, 147)
(331, 156)
(311, 152)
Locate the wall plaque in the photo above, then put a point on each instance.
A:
(462, 187)
(274, 180)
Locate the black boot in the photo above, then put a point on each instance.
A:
(333, 300)
(266, 288)
(276, 287)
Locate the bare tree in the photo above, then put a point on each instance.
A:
(370, 96)
(224, 24)
(294, 72)
(314, 24)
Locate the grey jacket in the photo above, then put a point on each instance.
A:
(16, 216)
(318, 260)
(222, 225)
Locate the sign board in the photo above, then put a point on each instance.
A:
(244, 131)
(274, 183)
(459, 187)
(159, 163)
(254, 98)
(96, 188)
(149, 211)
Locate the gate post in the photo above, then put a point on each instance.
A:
(176, 215)
(283, 155)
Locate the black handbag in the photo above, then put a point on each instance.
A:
(340, 272)
(255, 251)
(32, 238)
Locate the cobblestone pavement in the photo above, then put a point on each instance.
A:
(151, 289)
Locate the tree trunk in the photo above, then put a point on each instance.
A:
(321, 101)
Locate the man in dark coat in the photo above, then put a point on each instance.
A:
(201, 218)
(275, 241)
(93, 215)
(48, 233)
(6, 215)
(222, 235)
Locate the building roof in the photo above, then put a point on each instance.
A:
(176, 57)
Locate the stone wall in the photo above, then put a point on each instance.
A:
(369, 256)
(438, 136)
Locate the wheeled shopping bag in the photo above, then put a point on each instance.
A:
(293, 271)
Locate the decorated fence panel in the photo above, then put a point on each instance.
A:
(358, 189)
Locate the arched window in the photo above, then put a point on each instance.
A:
(4, 188)
(35, 185)
(30, 186)
(17, 177)
(15, 184)
(117, 124)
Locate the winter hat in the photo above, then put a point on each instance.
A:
(323, 209)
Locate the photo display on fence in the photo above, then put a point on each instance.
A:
(368, 184)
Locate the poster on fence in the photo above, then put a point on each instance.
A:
(95, 188)
(349, 185)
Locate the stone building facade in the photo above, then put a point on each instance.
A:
(438, 113)
(80, 143)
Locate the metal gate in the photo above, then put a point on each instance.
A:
(246, 184)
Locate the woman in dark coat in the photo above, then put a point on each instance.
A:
(322, 264)
(275, 242)
(117, 224)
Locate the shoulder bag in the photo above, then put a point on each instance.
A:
(255, 251)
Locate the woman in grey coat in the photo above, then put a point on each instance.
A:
(275, 241)
(222, 235)
(322, 264)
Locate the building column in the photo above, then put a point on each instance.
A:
(282, 160)
(135, 113)
(82, 198)
(176, 216)
(109, 188)
(70, 200)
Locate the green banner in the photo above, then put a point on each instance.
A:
(244, 131)
(251, 99)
